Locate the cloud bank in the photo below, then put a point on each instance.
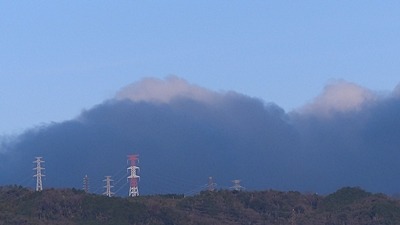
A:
(184, 133)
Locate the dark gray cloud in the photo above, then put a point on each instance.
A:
(186, 136)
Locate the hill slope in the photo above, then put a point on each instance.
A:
(19, 205)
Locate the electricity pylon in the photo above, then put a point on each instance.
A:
(108, 187)
(38, 175)
(86, 183)
(236, 186)
(133, 187)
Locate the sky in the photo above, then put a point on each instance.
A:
(60, 58)
(286, 95)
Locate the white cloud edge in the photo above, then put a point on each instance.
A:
(165, 90)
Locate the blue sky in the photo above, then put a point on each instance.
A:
(58, 58)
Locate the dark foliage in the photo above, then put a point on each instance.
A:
(354, 206)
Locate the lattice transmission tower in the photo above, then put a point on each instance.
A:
(39, 174)
(133, 177)
(211, 186)
(86, 183)
(108, 186)
(236, 186)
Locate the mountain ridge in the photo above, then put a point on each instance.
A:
(348, 205)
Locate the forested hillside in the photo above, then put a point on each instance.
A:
(354, 206)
